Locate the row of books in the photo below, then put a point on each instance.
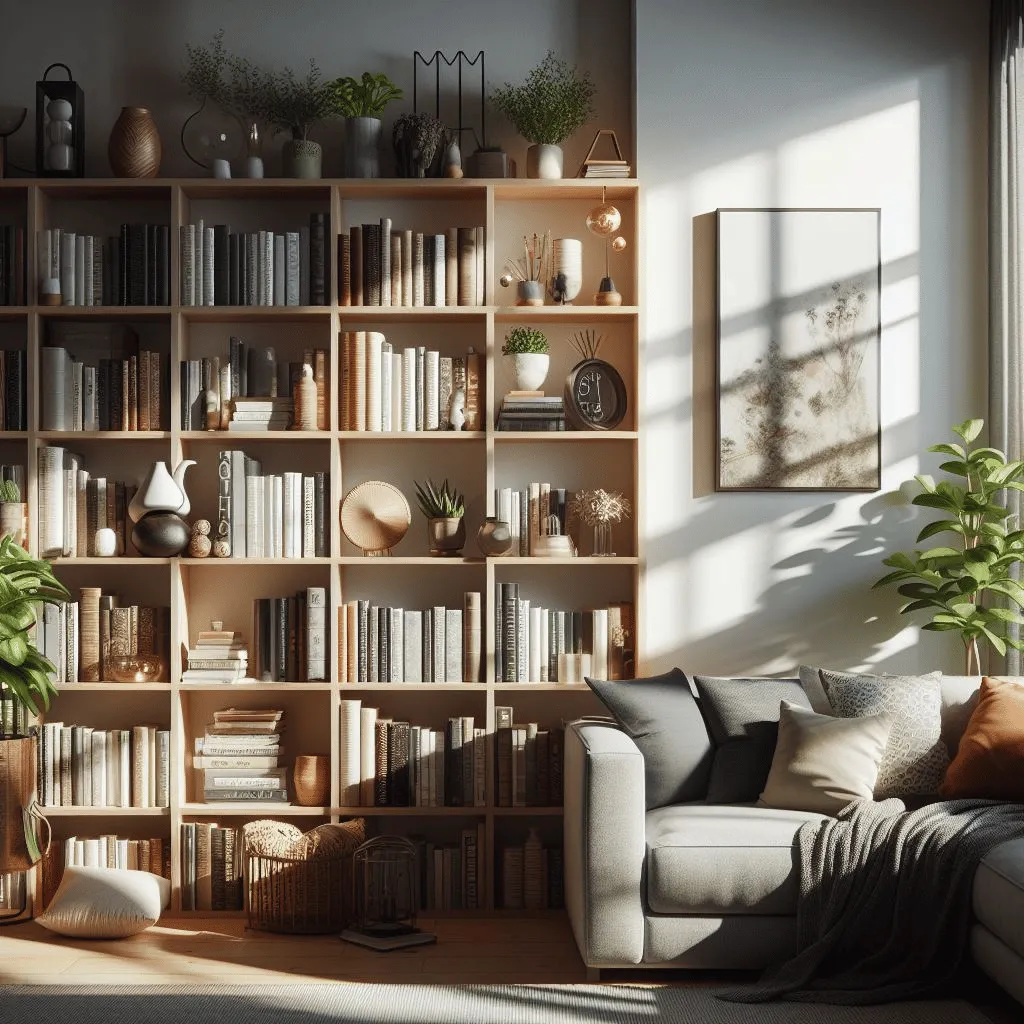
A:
(81, 637)
(80, 766)
(381, 267)
(73, 505)
(12, 265)
(115, 394)
(232, 739)
(131, 268)
(211, 867)
(534, 644)
(383, 644)
(221, 267)
(290, 637)
(13, 390)
(538, 510)
(390, 763)
(111, 851)
(527, 763)
(273, 515)
(14, 718)
(247, 372)
(531, 876)
(453, 876)
(390, 391)
(520, 412)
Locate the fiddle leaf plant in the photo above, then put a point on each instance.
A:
(26, 584)
(951, 581)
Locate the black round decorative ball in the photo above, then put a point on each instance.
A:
(160, 535)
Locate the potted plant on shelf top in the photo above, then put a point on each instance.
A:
(445, 509)
(951, 581)
(554, 102)
(529, 350)
(26, 688)
(361, 102)
(295, 105)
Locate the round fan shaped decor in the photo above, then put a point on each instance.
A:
(375, 516)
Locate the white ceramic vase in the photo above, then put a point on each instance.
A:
(544, 161)
(531, 370)
(161, 492)
(566, 269)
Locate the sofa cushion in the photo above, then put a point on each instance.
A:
(723, 859)
(999, 893)
(990, 760)
(821, 762)
(661, 716)
(743, 719)
(810, 680)
(915, 757)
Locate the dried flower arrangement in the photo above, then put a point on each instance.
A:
(599, 506)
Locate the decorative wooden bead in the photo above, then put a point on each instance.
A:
(199, 546)
(202, 527)
(221, 549)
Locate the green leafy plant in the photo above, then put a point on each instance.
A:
(522, 340)
(952, 581)
(296, 104)
(442, 502)
(25, 584)
(205, 70)
(554, 102)
(363, 97)
(9, 491)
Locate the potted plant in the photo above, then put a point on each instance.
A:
(951, 581)
(295, 105)
(445, 509)
(554, 102)
(13, 513)
(209, 139)
(529, 350)
(25, 682)
(361, 102)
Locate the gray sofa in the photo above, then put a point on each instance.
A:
(698, 885)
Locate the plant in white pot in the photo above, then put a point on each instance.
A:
(445, 509)
(552, 104)
(528, 348)
(26, 688)
(361, 102)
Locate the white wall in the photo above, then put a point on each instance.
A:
(804, 103)
(132, 52)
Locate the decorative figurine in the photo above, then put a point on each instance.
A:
(457, 413)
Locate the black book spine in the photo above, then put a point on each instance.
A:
(383, 645)
(149, 240)
(124, 267)
(5, 299)
(291, 606)
(14, 390)
(243, 370)
(9, 295)
(263, 640)
(428, 270)
(103, 394)
(453, 763)
(183, 393)
(221, 265)
(234, 355)
(235, 272)
(282, 646)
(320, 515)
(272, 641)
(383, 735)
(163, 265)
(363, 650)
(318, 259)
(499, 661)
(114, 394)
(509, 639)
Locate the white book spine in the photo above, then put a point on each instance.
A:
(291, 281)
(279, 270)
(253, 518)
(67, 268)
(407, 295)
(453, 645)
(77, 418)
(386, 365)
(51, 502)
(316, 633)
(80, 270)
(396, 653)
(199, 264)
(271, 519)
(431, 376)
(536, 614)
(437, 642)
(385, 261)
(208, 266)
(350, 754)
(374, 351)
(367, 755)
(290, 524)
(239, 498)
(53, 369)
(396, 390)
(439, 270)
(599, 647)
(412, 636)
(308, 517)
(125, 773)
(99, 769)
(408, 389)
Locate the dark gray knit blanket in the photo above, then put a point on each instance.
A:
(885, 901)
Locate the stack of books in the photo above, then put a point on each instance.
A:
(605, 169)
(408, 390)
(527, 763)
(220, 267)
(219, 656)
(235, 757)
(261, 413)
(531, 410)
(211, 873)
(388, 763)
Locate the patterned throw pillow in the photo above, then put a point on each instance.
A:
(915, 758)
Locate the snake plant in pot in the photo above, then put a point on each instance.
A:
(26, 689)
(445, 509)
(957, 582)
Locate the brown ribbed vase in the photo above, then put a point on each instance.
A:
(134, 148)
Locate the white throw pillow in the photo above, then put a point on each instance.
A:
(105, 903)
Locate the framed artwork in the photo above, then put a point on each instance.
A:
(799, 333)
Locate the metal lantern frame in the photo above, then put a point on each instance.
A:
(49, 89)
(384, 887)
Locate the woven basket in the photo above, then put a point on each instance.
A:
(300, 883)
(17, 791)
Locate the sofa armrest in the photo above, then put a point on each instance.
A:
(604, 843)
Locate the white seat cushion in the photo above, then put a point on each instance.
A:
(105, 903)
(999, 893)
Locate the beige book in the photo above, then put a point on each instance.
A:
(155, 399)
(140, 766)
(342, 643)
(359, 383)
(348, 382)
(374, 349)
(367, 754)
(156, 856)
(352, 630)
(350, 753)
(320, 379)
(145, 863)
(143, 393)
(451, 268)
(396, 268)
(133, 855)
(120, 632)
(89, 625)
(146, 643)
(204, 867)
(474, 391)
(408, 299)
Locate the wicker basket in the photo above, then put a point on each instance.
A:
(300, 883)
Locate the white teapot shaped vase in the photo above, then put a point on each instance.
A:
(161, 491)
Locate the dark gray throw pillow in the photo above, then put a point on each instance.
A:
(743, 719)
(661, 716)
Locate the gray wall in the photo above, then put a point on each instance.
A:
(132, 53)
(804, 103)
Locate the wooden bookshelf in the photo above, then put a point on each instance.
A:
(200, 589)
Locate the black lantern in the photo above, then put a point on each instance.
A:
(60, 127)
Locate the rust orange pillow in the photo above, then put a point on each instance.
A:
(990, 760)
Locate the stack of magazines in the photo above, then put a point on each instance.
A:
(238, 757)
(531, 410)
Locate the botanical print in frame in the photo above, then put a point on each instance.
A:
(798, 350)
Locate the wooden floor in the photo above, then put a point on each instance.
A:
(468, 951)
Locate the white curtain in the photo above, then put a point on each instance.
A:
(1006, 233)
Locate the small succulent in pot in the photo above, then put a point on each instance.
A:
(445, 509)
(529, 350)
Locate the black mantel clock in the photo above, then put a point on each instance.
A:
(595, 396)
